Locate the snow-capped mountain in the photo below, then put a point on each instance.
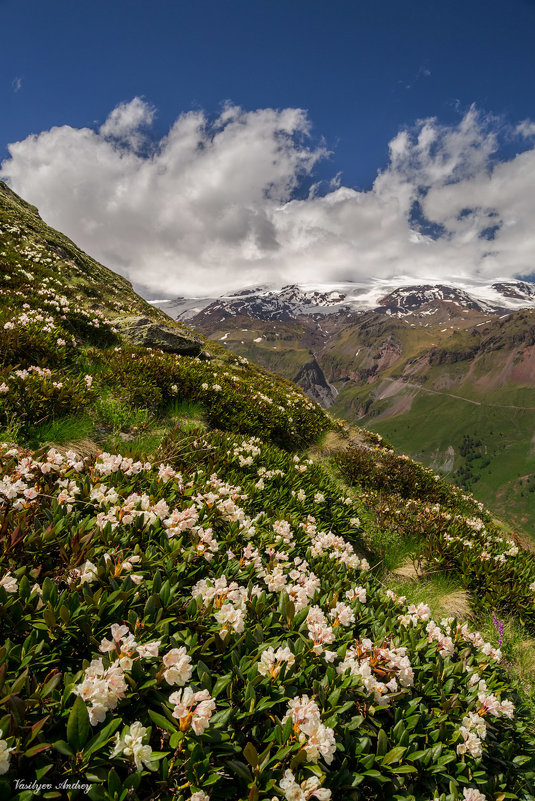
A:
(401, 299)
(410, 299)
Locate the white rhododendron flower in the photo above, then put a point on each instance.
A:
(178, 665)
(342, 615)
(102, 688)
(473, 794)
(5, 752)
(192, 709)
(271, 661)
(356, 593)
(131, 745)
(310, 788)
(9, 583)
(317, 739)
(88, 573)
(149, 649)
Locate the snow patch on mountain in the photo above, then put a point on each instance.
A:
(399, 297)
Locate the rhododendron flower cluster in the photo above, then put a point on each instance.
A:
(130, 744)
(373, 663)
(5, 756)
(178, 666)
(317, 739)
(473, 794)
(271, 661)
(309, 788)
(318, 630)
(9, 583)
(193, 709)
(102, 689)
(294, 577)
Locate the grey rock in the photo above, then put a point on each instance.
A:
(312, 380)
(150, 334)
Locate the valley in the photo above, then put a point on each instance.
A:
(426, 367)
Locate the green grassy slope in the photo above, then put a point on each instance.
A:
(470, 386)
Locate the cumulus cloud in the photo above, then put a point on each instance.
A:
(218, 204)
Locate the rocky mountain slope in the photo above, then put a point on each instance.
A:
(198, 589)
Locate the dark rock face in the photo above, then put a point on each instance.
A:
(145, 332)
(312, 380)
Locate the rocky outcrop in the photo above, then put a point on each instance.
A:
(312, 380)
(150, 334)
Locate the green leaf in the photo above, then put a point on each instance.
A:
(373, 774)
(382, 743)
(240, 769)
(78, 725)
(50, 685)
(100, 739)
(220, 685)
(405, 769)
(63, 748)
(394, 755)
(162, 722)
(287, 729)
(114, 782)
(251, 755)
(36, 749)
(165, 592)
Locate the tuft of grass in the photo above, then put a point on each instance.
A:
(57, 432)
(10, 432)
(185, 410)
(394, 549)
(518, 650)
(441, 592)
(119, 415)
(139, 448)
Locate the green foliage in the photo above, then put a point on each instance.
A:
(76, 562)
(39, 394)
(234, 396)
(64, 429)
(455, 533)
(380, 468)
(227, 571)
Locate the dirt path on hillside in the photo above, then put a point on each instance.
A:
(459, 397)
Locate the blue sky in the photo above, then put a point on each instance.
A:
(362, 71)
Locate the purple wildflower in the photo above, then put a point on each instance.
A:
(498, 625)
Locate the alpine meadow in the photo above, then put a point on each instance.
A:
(211, 589)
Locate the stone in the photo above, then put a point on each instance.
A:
(151, 334)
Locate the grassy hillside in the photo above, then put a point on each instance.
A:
(463, 402)
(202, 593)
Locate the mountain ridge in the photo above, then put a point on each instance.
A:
(292, 300)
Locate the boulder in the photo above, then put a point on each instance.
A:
(151, 334)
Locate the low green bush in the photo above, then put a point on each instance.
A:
(38, 394)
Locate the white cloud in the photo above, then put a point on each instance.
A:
(127, 122)
(213, 205)
(526, 128)
(16, 84)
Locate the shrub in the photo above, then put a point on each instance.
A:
(233, 397)
(38, 394)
